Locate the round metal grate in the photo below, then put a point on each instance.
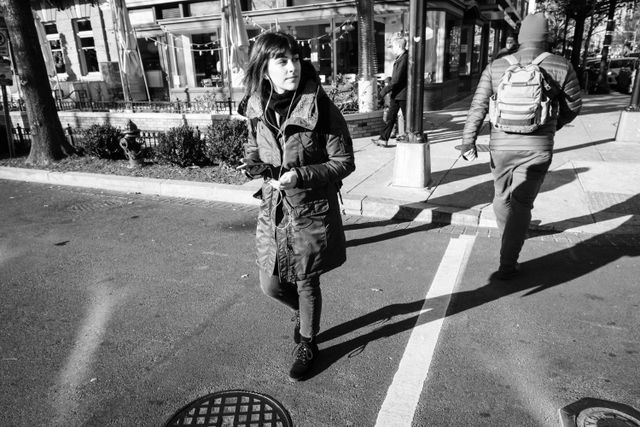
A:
(605, 417)
(233, 408)
(590, 412)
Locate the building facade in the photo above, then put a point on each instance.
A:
(181, 54)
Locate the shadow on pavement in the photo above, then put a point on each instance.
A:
(585, 145)
(628, 207)
(479, 194)
(612, 103)
(538, 275)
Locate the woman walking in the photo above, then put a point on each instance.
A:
(300, 144)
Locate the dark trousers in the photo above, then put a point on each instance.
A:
(517, 178)
(392, 117)
(303, 296)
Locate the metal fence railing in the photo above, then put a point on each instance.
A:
(21, 136)
(177, 106)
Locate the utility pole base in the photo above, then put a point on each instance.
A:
(628, 127)
(412, 166)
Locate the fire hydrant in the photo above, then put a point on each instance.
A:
(130, 144)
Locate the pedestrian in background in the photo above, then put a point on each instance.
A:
(397, 87)
(519, 162)
(300, 145)
(510, 47)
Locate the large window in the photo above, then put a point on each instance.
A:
(452, 50)
(476, 56)
(466, 41)
(347, 51)
(316, 43)
(168, 11)
(200, 8)
(53, 37)
(206, 59)
(86, 46)
(434, 46)
(315, 46)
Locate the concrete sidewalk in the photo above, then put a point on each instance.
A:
(593, 185)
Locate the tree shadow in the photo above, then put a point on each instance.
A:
(630, 206)
(580, 146)
(605, 104)
(477, 195)
(538, 275)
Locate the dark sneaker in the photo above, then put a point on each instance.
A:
(379, 142)
(303, 356)
(401, 138)
(507, 272)
(296, 327)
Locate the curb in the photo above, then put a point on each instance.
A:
(160, 187)
(378, 207)
(353, 204)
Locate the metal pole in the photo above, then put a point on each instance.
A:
(114, 20)
(227, 48)
(634, 105)
(412, 164)
(415, 95)
(334, 52)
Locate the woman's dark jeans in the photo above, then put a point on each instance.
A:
(304, 295)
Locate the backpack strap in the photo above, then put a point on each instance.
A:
(512, 60)
(540, 58)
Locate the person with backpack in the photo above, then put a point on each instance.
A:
(529, 95)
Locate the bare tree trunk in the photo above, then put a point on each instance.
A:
(587, 41)
(578, 36)
(367, 85)
(48, 142)
(604, 66)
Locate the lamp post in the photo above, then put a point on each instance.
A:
(412, 166)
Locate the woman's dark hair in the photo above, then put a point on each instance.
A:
(267, 46)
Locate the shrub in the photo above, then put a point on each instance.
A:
(344, 95)
(182, 146)
(225, 141)
(101, 141)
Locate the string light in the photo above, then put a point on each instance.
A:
(211, 47)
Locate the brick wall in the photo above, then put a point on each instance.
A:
(365, 124)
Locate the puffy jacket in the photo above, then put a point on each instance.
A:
(567, 102)
(316, 144)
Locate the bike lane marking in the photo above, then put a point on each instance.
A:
(404, 392)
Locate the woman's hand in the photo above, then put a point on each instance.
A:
(252, 168)
(288, 180)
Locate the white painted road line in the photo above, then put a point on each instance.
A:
(402, 397)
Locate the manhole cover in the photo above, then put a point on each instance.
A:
(590, 412)
(234, 408)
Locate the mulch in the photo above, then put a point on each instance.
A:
(222, 174)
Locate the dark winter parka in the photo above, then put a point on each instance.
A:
(316, 144)
(567, 102)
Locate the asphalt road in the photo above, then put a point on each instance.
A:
(119, 309)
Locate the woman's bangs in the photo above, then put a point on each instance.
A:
(280, 48)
